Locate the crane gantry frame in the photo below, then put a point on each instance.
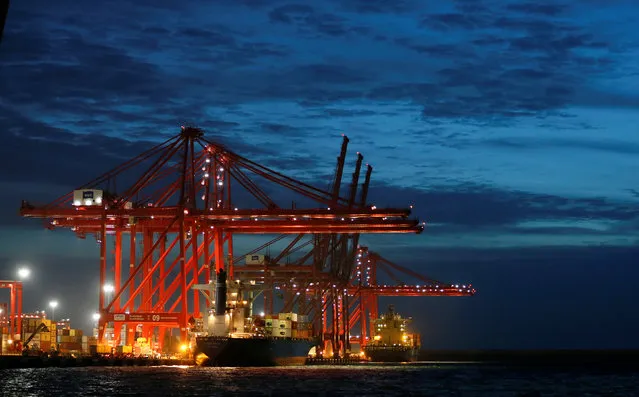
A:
(182, 209)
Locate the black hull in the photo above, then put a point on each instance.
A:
(252, 352)
(391, 354)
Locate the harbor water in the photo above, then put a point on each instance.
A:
(370, 380)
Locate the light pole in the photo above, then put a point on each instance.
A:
(53, 305)
(24, 273)
(108, 289)
(96, 324)
(15, 319)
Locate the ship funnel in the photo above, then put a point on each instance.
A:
(220, 293)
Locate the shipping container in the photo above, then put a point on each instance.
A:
(282, 324)
(287, 316)
(301, 325)
(70, 347)
(302, 318)
(124, 349)
(45, 346)
(303, 334)
(283, 332)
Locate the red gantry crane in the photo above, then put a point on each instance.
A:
(14, 315)
(339, 308)
(175, 201)
(366, 290)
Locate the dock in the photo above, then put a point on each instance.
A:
(335, 361)
(16, 361)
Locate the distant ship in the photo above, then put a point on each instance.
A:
(236, 339)
(391, 341)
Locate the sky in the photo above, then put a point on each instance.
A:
(511, 126)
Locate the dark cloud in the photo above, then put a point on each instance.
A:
(469, 206)
(471, 6)
(452, 21)
(326, 74)
(415, 92)
(38, 152)
(566, 56)
(293, 162)
(205, 37)
(64, 60)
(380, 6)
(533, 67)
(291, 13)
(309, 20)
(329, 112)
(616, 147)
(548, 9)
(283, 130)
(77, 158)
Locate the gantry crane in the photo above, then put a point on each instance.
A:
(14, 315)
(338, 309)
(366, 289)
(176, 198)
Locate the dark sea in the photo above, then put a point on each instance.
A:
(373, 380)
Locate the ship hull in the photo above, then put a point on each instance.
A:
(252, 352)
(391, 354)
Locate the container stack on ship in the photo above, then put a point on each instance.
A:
(391, 341)
(235, 337)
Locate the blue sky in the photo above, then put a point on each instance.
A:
(509, 125)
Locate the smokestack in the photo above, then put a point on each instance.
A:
(220, 293)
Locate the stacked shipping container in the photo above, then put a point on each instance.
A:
(287, 325)
(43, 340)
(71, 341)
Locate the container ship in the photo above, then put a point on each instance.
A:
(391, 341)
(233, 337)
